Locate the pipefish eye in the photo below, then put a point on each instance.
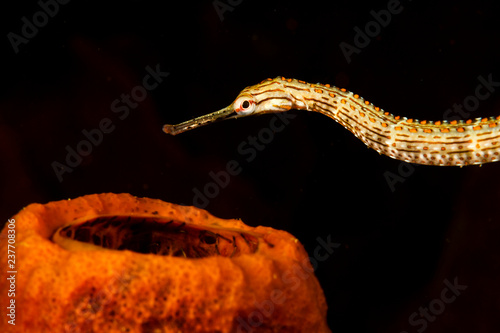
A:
(244, 105)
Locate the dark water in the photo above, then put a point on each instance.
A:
(402, 248)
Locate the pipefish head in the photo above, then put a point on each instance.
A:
(265, 97)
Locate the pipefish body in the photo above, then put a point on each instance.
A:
(443, 143)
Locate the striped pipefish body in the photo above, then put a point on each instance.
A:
(454, 143)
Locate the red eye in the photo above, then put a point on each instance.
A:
(244, 105)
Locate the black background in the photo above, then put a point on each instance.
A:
(314, 178)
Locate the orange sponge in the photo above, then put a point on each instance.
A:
(118, 263)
